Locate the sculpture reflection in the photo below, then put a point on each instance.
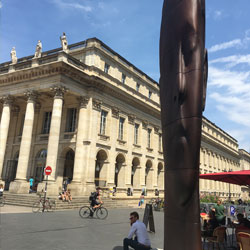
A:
(183, 68)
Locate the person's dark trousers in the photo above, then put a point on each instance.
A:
(134, 244)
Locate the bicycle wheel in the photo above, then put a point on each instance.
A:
(37, 206)
(50, 205)
(102, 213)
(84, 212)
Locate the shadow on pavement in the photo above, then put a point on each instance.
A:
(118, 248)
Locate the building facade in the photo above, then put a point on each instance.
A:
(95, 119)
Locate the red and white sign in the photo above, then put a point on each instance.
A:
(48, 170)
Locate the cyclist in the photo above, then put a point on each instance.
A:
(96, 200)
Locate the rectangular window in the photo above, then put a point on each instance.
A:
(149, 137)
(137, 87)
(136, 134)
(103, 122)
(149, 94)
(46, 122)
(106, 68)
(71, 120)
(121, 128)
(160, 142)
(123, 78)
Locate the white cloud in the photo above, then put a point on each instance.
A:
(1, 5)
(73, 5)
(226, 45)
(236, 43)
(233, 82)
(230, 92)
(232, 60)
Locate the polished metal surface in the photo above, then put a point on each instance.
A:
(183, 68)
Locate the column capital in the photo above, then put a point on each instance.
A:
(58, 91)
(115, 112)
(7, 100)
(144, 124)
(97, 104)
(131, 119)
(31, 95)
(83, 100)
(156, 130)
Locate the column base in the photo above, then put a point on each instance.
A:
(90, 187)
(19, 187)
(52, 188)
(77, 188)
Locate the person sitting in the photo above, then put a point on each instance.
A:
(220, 212)
(138, 228)
(210, 225)
(1, 190)
(63, 195)
(68, 196)
(244, 223)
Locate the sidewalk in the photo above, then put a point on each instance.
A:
(8, 209)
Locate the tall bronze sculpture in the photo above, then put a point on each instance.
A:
(183, 68)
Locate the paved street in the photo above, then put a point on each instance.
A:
(66, 230)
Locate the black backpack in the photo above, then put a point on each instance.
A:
(92, 196)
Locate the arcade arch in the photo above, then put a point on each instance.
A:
(160, 176)
(101, 168)
(120, 171)
(40, 162)
(68, 169)
(149, 174)
(135, 173)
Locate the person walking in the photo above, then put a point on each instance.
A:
(139, 230)
(31, 180)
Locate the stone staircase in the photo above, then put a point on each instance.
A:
(28, 200)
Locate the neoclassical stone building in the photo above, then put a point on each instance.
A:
(94, 118)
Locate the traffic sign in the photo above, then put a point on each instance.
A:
(48, 170)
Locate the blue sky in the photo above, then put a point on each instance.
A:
(132, 28)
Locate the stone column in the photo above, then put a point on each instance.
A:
(77, 184)
(114, 121)
(54, 137)
(4, 129)
(90, 142)
(21, 185)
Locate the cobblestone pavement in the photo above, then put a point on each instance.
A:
(67, 230)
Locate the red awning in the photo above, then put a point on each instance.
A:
(235, 177)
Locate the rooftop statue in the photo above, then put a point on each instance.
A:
(13, 55)
(38, 52)
(64, 42)
(183, 69)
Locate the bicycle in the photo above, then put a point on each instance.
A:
(86, 211)
(42, 205)
(157, 204)
(2, 201)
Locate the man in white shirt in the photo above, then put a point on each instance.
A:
(138, 228)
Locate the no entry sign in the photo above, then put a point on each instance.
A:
(48, 170)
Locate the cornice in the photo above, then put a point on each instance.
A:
(219, 145)
(77, 74)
